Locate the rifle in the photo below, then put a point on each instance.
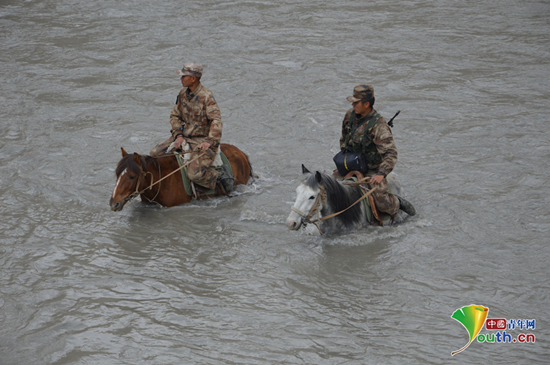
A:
(390, 123)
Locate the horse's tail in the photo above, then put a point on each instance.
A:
(250, 167)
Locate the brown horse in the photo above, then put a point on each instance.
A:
(136, 173)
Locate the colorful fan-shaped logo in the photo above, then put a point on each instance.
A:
(472, 317)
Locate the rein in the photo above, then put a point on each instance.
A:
(137, 192)
(317, 206)
(151, 186)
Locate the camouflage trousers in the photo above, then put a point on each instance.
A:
(199, 170)
(383, 199)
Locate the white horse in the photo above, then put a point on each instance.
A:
(321, 195)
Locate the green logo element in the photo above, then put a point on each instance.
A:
(472, 317)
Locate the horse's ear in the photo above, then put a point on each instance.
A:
(124, 153)
(137, 159)
(305, 170)
(318, 176)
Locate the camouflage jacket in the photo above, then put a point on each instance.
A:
(380, 134)
(197, 116)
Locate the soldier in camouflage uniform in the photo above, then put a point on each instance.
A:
(363, 129)
(195, 119)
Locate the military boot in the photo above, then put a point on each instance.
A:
(405, 206)
(225, 178)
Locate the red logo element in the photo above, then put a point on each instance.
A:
(495, 323)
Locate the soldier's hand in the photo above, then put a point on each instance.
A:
(179, 141)
(376, 179)
(204, 146)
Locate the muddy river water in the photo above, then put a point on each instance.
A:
(224, 281)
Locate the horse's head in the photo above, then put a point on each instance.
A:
(129, 174)
(310, 198)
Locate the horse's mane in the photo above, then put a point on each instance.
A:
(128, 162)
(339, 197)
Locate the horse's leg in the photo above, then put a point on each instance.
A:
(239, 163)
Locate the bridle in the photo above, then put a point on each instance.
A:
(142, 176)
(317, 206)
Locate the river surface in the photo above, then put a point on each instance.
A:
(224, 281)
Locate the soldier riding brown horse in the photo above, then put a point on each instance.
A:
(148, 177)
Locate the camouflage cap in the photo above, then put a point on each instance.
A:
(191, 69)
(361, 92)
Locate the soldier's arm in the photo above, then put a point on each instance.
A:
(213, 114)
(385, 145)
